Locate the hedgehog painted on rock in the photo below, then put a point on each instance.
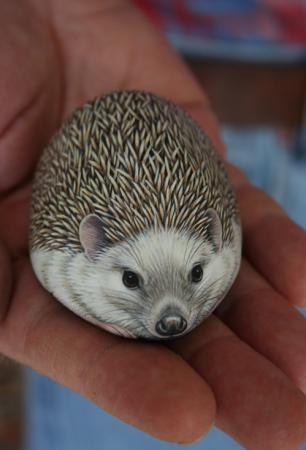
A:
(134, 224)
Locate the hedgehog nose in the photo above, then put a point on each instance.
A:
(170, 325)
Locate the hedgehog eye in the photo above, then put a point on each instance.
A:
(196, 273)
(130, 279)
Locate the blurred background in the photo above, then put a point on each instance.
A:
(250, 57)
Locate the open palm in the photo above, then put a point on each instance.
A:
(247, 371)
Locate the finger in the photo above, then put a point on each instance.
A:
(29, 91)
(145, 385)
(272, 242)
(264, 319)
(256, 404)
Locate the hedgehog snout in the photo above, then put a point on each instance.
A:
(171, 320)
(171, 325)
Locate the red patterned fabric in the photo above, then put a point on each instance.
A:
(273, 28)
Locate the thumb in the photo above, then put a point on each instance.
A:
(28, 91)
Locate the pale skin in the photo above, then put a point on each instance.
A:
(246, 372)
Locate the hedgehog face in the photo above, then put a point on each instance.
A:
(158, 284)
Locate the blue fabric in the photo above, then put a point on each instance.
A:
(266, 157)
(58, 419)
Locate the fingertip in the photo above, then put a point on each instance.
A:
(277, 249)
(195, 413)
(171, 402)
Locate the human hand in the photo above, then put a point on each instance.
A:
(251, 364)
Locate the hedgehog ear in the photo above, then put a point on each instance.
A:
(215, 228)
(92, 236)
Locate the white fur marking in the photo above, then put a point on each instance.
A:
(95, 281)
